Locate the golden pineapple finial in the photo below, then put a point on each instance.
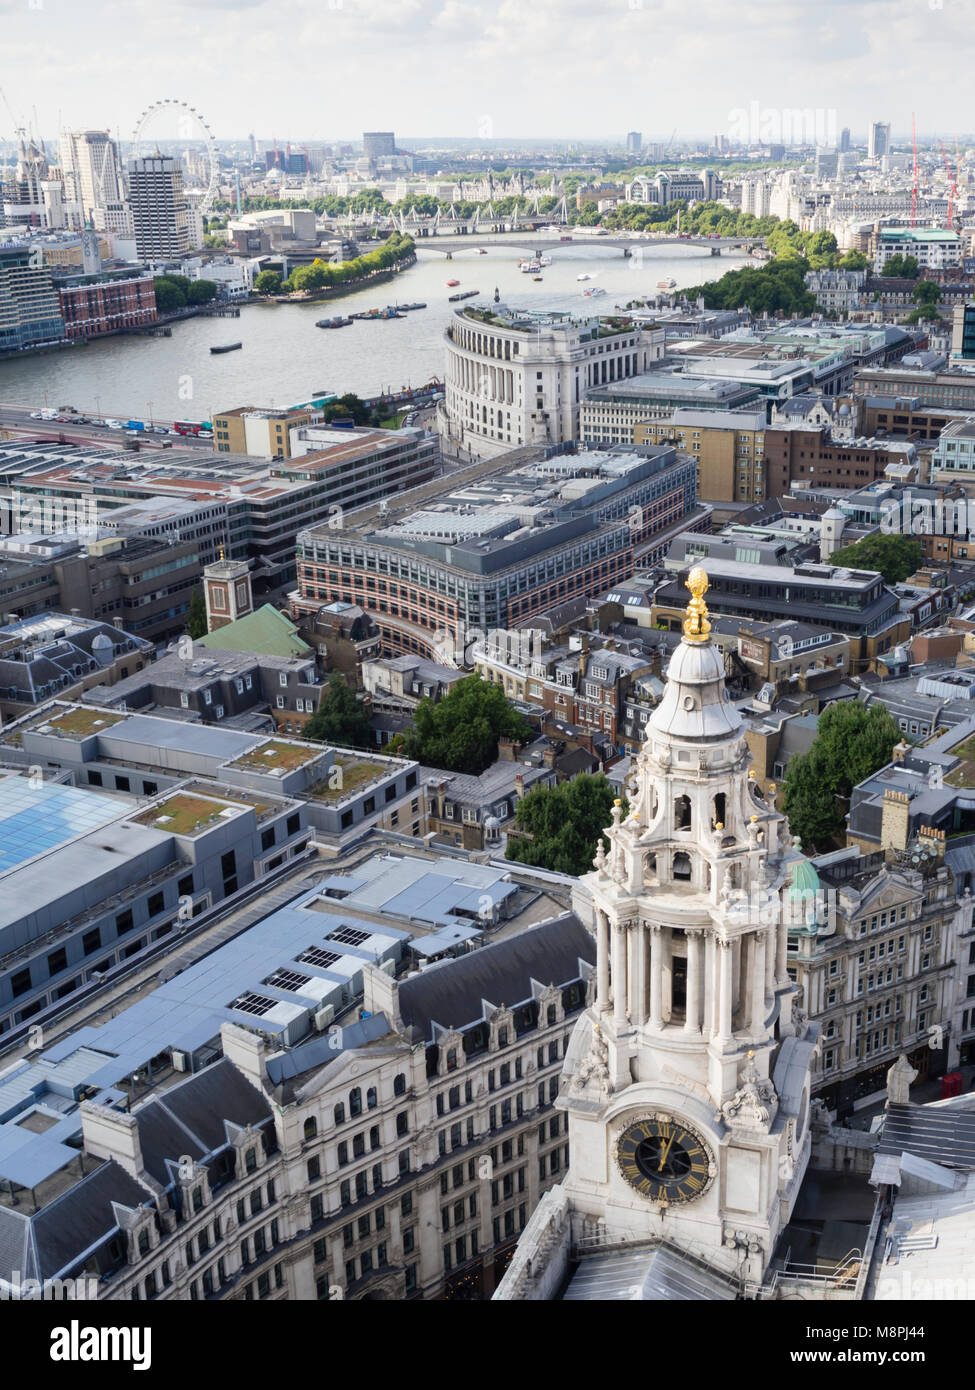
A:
(696, 625)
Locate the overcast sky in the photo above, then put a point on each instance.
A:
(327, 69)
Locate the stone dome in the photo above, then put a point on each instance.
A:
(695, 704)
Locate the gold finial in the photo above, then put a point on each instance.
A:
(221, 553)
(618, 801)
(696, 625)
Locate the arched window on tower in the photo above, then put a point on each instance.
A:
(719, 817)
(682, 813)
(682, 866)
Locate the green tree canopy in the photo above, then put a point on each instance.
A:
(894, 556)
(201, 291)
(340, 718)
(196, 615)
(901, 267)
(170, 294)
(853, 742)
(565, 823)
(268, 282)
(926, 293)
(461, 731)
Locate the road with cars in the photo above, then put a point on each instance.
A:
(69, 426)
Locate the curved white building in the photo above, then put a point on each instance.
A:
(519, 378)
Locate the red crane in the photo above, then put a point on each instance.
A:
(952, 188)
(914, 184)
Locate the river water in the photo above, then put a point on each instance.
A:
(286, 359)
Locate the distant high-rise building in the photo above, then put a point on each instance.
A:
(378, 144)
(253, 147)
(30, 310)
(92, 180)
(878, 140)
(160, 214)
(844, 139)
(634, 142)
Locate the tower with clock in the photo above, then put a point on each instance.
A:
(687, 1079)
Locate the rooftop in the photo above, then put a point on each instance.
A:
(183, 814)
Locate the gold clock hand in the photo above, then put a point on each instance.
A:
(663, 1156)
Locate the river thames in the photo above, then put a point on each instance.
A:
(286, 359)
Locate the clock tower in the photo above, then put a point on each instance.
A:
(687, 1080)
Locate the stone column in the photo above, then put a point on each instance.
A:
(756, 960)
(781, 953)
(638, 976)
(619, 976)
(656, 976)
(602, 961)
(692, 1019)
(725, 964)
(768, 939)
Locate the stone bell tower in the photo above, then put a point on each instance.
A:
(688, 1078)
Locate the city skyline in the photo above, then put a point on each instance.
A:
(847, 51)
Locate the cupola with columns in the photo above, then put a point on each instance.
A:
(694, 1012)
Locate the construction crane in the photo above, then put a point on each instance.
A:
(914, 182)
(952, 188)
(670, 143)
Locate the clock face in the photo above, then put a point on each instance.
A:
(664, 1159)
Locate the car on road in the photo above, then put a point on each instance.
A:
(36, 415)
(115, 424)
(161, 429)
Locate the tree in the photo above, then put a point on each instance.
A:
(852, 260)
(565, 823)
(196, 615)
(268, 282)
(202, 291)
(852, 743)
(169, 294)
(926, 293)
(461, 731)
(894, 556)
(343, 406)
(340, 718)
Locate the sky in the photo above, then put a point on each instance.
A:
(324, 70)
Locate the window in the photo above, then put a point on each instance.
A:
(315, 1167)
(311, 1128)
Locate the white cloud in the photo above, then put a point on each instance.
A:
(319, 69)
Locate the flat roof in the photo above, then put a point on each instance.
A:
(35, 818)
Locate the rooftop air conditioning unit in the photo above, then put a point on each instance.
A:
(179, 1061)
(324, 1017)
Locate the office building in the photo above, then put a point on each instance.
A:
(30, 310)
(501, 544)
(396, 1156)
(610, 415)
(378, 144)
(518, 377)
(875, 963)
(160, 213)
(963, 332)
(878, 140)
(751, 578)
(634, 142)
(143, 583)
(93, 181)
(110, 304)
(728, 447)
(934, 248)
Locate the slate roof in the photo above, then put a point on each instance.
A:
(50, 1242)
(453, 992)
